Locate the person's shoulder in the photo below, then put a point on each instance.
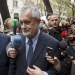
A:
(4, 35)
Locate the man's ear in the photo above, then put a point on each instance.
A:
(38, 21)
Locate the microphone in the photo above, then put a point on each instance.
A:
(67, 49)
(14, 25)
(16, 41)
(63, 47)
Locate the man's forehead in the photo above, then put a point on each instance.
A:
(23, 19)
(25, 16)
(54, 16)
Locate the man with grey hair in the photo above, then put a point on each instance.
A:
(31, 59)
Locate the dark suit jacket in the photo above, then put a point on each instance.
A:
(38, 58)
(55, 35)
(4, 60)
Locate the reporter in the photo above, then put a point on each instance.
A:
(62, 65)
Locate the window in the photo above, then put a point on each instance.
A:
(15, 4)
(16, 16)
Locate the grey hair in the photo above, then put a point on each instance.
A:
(34, 9)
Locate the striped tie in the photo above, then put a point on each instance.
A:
(30, 52)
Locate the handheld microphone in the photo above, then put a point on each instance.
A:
(14, 25)
(68, 49)
(63, 47)
(16, 41)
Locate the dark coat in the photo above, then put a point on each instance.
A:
(4, 60)
(38, 58)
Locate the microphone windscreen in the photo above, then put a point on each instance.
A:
(63, 45)
(16, 41)
(14, 23)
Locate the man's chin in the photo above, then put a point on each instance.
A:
(26, 34)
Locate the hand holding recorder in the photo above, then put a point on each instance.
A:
(51, 58)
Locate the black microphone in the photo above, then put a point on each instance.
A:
(67, 49)
(63, 47)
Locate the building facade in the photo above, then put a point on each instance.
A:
(14, 7)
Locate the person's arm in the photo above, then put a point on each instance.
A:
(12, 53)
(55, 61)
(62, 67)
(12, 66)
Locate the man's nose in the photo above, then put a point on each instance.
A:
(24, 25)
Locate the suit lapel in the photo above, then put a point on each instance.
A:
(39, 47)
(23, 49)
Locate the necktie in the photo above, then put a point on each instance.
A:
(30, 52)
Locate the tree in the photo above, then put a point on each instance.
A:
(71, 7)
(61, 6)
(64, 5)
(42, 5)
(48, 6)
(4, 10)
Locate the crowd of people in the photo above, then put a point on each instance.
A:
(32, 57)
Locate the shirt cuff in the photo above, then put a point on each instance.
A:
(58, 67)
(45, 73)
(8, 52)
